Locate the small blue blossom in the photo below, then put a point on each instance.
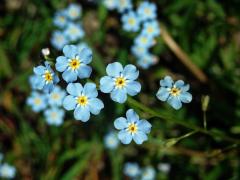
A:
(147, 11)
(131, 170)
(148, 173)
(82, 46)
(132, 128)
(54, 116)
(73, 31)
(174, 93)
(33, 81)
(164, 167)
(138, 51)
(7, 171)
(83, 100)
(74, 63)
(58, 40)
(55, 98)
(110, 4)
(144, 40)
(151, 28)
(120, 81)
(124, 5)
(37, 101)
(45, 78)
(130, 21)
(60, 19)
(74, 11)
(111, 141)
(146, 61)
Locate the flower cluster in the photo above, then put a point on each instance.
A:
(142, 20)
(6, 171)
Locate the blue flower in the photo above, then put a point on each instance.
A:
(7, 171)
(151, 28)
(124, 5)
(120, 81)
(60, 19)
(82, 100)
(74, 11)
(147, 11)
(148, 173)
(73, 31)
(74, 63)
(82, 45)
(132, 170)
(55, 98)
(45, 78)
(138, 51)
(144, 40)
(54, 116)
(164, 167)
(132, 128)
(33, 81)
(146, 61)
(37, 101)
(130, 21)
(110, 4)
(58, 40)
(174, 93)
(111, 141)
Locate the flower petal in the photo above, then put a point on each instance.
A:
(106, 84)
(61, 63)
(69, 76)
(82, 113)
(140, 137)
(130, 72)
(120, 123)
(162, 94)
(70, 51)
(39, 70)
(175, 102)
(90, 90)
(114, 69)
(179, 83)
(95, 105)
(185, 88)
(132, 116)
(84, 71)
(185, 97)
(133, 88)
(69, 103)
(74, 89)
(144, 126)
(119, 95)
(125, 137)
(167, 82)
(86, 55)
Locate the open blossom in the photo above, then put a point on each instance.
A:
(147, 11)
(54, 116)
(148, 173)
(60, 19)
(7, 171)
(111, 141)
(37, 101)
(73, 11)
(130, 21)
(55, 98)
(120, 81)
(132, 170)
(58, 39)
(174, 92)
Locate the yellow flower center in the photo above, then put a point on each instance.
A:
(144, 40)
(82, 100)
(147, 11)
(132, 128)
(37, 101)
(131, 21)
(53, 115)
(55, 96)
(175, 91)
(120, 82)
(48, 76)
(74, 64)
(150, 29)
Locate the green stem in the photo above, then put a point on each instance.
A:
(204, 120)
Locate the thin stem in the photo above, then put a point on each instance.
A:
(204, 120)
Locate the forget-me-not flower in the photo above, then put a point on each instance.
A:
(37, 101)
(144, 40)
(174, 93)
(7, 171)
(74, 63)
(131, 170)
(120, 81)
(54, 116)
(58, 40)
(111, 141)
(146, 60)
(130, 21)
(164, 167)
(60, 19)
(151, 28)
(45, 78)
(73, 31)
(148, 173)
(138, 51)
(73, 11)
(82, 45)
(147, 10)
(132, 128)
(83, 100)
(55, 98)
(110, 4)
(124, 5)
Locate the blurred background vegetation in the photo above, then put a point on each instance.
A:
(207, 31)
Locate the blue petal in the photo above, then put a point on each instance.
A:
(167, 81)
(163, 94)
(139, 137)
(144, 125)
(84, 71)
(114, 69)
(179, 84)
(69, 103)
(86, 56)
(120, 123)
(185, 97)
(61, 64)
(132, 116)
(125, 137)
(90, 90)
(40, 82)
(133, 88)
(48, 88)
(82, 113)
(106, 84)
(119, 95)
(95, 105)
(55, 79)
(39, 70)
(175, 102)
(185, 88)
(130, 72)
(74, 89)
(70, 51)
(69, 76)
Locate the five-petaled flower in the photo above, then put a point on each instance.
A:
(120, 81)
(54, 116)
(132, 170)
(132, 128)
(82, 100)
(174, 93)
(37, 101)
(45, 78)
(74, 63)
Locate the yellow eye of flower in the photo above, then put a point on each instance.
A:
(144, 40)
(55, 96)
(131, 21)
(53, 115)
(37, 101)
(147, 11)
(175, 91)
(150, 30)
(120, 82)
(82, 100)
(74, 64)
(48, 76)
(132, 128)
